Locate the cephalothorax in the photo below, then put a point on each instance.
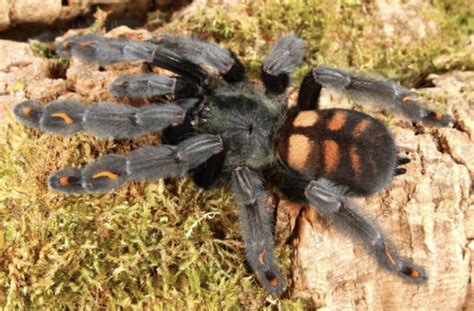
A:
(224, 130)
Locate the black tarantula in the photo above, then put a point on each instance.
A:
(223, 129)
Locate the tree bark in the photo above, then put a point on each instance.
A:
(428, 213)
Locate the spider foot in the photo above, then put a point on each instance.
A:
(103, 175)
(388, 258)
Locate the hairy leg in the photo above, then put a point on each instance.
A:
(112, 171)
(106, 119)
(329, 199)
(181, 55)
(256, 229)
(153, 85)
(286, 54)
(205, 53)
(380, 91)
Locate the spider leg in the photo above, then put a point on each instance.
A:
(180, 55)
(329, 199)
(384, 92)
(94, 48)
(255, 225)
(106, 119)
(153, 85)
(285, 55)
(112, 171)
(204, 53)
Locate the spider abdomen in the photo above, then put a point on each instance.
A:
(345, 146)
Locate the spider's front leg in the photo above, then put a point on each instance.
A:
(181, 55)
(255, 224)
(283, 58)
(106, 119)
(112, 171)
(380, 91)
(330, 200)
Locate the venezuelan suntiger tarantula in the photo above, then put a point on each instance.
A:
(227, 130)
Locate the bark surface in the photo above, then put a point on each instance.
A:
(428, 213)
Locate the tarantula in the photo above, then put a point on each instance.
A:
(225, 130)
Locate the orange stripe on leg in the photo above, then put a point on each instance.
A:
(26, 111)
(261, 257)
(87, 43)
(107, 174)
(274, 282)
(389, 256)
(63, 116)
(415, 273)
(64, 181)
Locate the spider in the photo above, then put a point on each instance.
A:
(224, 130)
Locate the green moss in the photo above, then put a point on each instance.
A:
(17, 86)
(169, 244)
(346, 34)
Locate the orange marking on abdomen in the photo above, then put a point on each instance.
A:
(361, 127)
(63, 116)
(438, 116)
(337, 121)
(107, 174)
(26, 111)
(332, 155)
(299, 150)
(64, 181)
(355, 159)
(306, 119)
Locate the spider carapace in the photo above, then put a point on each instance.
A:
(225, 130)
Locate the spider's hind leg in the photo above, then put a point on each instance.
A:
(384, 92)
(256, 229)
(330, 200)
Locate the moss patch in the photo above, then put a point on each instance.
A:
(350, 34)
